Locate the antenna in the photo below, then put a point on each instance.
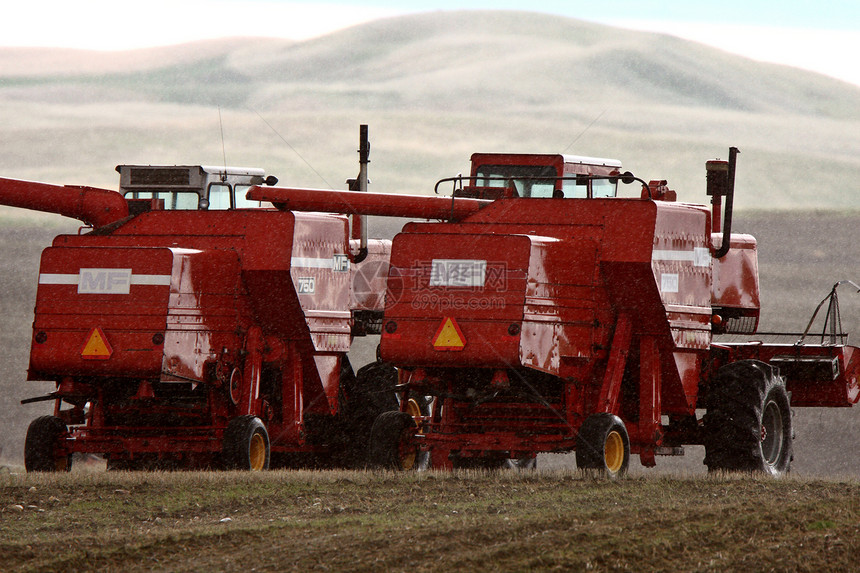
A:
(223, 146)
(581, 133)
(287, 143)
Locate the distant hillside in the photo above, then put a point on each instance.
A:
(434, 88)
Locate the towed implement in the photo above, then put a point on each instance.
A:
(551, 315)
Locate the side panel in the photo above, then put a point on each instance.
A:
(735, 290)
(206, 310)
(369, 278)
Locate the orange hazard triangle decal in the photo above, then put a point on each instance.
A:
(97, 346)
(449, 336)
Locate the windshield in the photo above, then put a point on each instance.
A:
(540, 181)
(172, 199)
(530, 180)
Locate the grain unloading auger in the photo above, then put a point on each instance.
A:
(191, 327)
(550, 315)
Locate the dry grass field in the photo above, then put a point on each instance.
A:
(464, 521)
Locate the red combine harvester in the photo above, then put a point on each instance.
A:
(189, 329)
(548, 315)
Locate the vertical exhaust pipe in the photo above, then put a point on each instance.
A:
(359, 222)
(721, 183)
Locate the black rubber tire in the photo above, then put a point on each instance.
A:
(246, 444)
(392, 443)
(603, 445)
(364, 396)
(748, 422)
(40, 446)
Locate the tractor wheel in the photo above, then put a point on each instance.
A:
(748, 422)
(603, 445)
(366, 395)
(246, 444)
(392, 441)
(40, 446)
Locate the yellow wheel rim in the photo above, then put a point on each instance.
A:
(613, 452)
(257, 452)
(407, 451)
(412, 408)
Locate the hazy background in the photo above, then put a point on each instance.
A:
(434, 88)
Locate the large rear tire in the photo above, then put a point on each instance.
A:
(41, 446)
(603, 445)
(246, 444)
(748, 422)
(368, 394)
(392, 442)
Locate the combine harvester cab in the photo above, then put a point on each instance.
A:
(188, 330)
(560, 317)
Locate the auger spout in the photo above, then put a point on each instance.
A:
(93, 206)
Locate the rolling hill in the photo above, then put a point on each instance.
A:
(434, 88)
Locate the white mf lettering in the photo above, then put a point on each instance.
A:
(307, 285)
(466, 273)
(104, 281)
(340, 264)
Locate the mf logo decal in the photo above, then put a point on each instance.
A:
(104, 281)
(341, 264)
(307, 285)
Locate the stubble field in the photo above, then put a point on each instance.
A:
(463, 521)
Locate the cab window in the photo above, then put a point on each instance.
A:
(173, 200)
(575, 188)
(241, 201)
(219, 197)
(529, 180)
(603, 188)
(578, 188)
